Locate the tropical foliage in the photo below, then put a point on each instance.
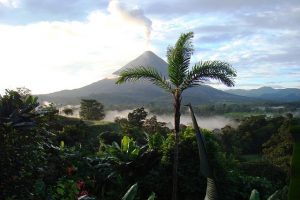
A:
(181, 78)
(55, 157)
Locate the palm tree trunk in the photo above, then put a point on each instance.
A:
(177, 103)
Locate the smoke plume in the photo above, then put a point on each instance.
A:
(135, 16)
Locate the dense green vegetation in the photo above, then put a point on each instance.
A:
(47, 156)
(180, 79)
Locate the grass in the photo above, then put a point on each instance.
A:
(97, 122)
(97, 127)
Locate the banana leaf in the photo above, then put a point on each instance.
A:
(205, 169)
(131, 193)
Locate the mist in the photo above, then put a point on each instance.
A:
(210, 123)
(296, 114)
(112, 114)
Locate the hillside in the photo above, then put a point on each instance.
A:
(268, 93)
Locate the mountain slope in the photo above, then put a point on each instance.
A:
(268, 93)
(141, 92)
(147, 59)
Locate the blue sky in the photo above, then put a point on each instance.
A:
(51, 45)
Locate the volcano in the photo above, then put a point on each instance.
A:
(140, 92)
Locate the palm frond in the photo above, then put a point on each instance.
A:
(146, 73)
(179, 58)
(204, 70)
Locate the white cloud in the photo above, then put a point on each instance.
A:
(50, 56)
(10, 3)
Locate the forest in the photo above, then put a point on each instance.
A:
(48, 156)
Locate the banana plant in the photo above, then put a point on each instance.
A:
(127, 151)
(129, 158)
(205, 169)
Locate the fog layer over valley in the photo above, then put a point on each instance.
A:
(210, 123)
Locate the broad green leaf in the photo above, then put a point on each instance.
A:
(274, 196)
(254, 195)
(62, 145)
(204, 165)
(116, 145)
(131, 193)
(125, 143)
(152, 196)
(135, 152)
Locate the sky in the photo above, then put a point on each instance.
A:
(51, 45)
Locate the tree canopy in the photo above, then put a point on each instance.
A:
(91, 109)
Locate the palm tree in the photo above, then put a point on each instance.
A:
(180, 79)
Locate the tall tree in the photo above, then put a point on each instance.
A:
(137, 117)
(68, 111)
(91, 109)
(180, 79)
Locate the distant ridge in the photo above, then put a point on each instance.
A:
(269, 93)
(141, 92)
